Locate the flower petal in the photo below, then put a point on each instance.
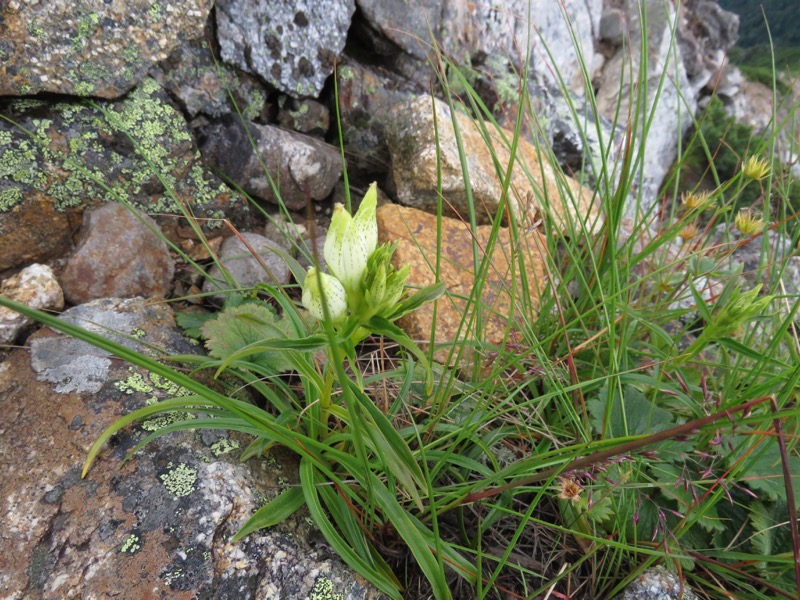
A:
(315, 285)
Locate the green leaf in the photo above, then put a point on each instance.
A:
(192, 322)
(630, 413)
(240, 326)
(275, 511)
(415, 301)
(762, 470)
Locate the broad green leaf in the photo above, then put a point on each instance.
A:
(630, 414)
(275, 511)
(240, 326)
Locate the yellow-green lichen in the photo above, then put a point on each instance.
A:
(131, 545)
(154, 12)
(179, 480)
(166, 419)
(9, 198)
(223, 446)
(323, 590)
(346, 73)
(5, 138)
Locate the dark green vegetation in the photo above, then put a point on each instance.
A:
(782, 16)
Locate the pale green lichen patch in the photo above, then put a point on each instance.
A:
(224, 446)
(131, 545)
(9, 198)
(323, 590)
(179, 480)
(165, 419)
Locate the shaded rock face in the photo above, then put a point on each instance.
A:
(303, 168)
(94, 48)
(413, 147)
(416, 232)
(121, 254)
(291, 44)
(127, 150)
(706, 33)
(159, 526)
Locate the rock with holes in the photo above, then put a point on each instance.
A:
(159, 526)
(291, 44)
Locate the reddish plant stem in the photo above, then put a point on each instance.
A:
(625, 448)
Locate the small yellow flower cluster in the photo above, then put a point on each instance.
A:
(695, 200)
(749, 222)
(755, 168)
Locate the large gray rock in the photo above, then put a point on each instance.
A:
(465, 29)
(291, 44)
(91, 48)
(301, 167)
(137, 150)
(666, 113)
(159, 526)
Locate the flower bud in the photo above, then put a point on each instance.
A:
(351, 241)
(317, 284)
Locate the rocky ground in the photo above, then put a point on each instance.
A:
(130, 133)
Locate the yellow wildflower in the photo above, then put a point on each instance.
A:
(693, 200)
(755, 168)
(749, 222)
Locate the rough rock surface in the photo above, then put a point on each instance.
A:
(465, 29)
(619, 89)
(413, 147)
(416, 232)
(657, 584)
(245, 268)
(303, 168)
(127, 150)
(291, 44)
(706, 32)
(35, 286)
(157, 527)
(202, 84)
(121, 254)
(90, 48)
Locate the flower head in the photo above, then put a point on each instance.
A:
(749, 222)
(569, 489)
(694, 200)
(755, 168)
(317, 285)
(689, 232)
(351, 240)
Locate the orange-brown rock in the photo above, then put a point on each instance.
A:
(453, 317)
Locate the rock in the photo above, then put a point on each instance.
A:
(464, 29)
(247, 270)
(35, 286)
(121, 254)
(80, 155)
(202, 85)
(705, 34)
(291, 44)
(416, 232)
(94, 48)
(669, 109)
(303, 116)
(159, 526)
(367, 97)
(657, 584)
(413, 148)
(303, 168)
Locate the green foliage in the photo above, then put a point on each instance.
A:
(781, 15)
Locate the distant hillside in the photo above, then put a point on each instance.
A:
(782, 16)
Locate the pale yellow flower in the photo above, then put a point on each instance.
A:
(755, 168)
(749, 222)
(315, 284)
(569, 489)
(693, 200)
(689, 232)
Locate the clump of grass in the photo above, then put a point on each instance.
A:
(641, 411)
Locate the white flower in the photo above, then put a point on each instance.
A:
(351, 241)
(335, 296)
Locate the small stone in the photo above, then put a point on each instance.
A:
(245, 268)
(121, 255)
(35, 286)
(304, 116)
(416, 232)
